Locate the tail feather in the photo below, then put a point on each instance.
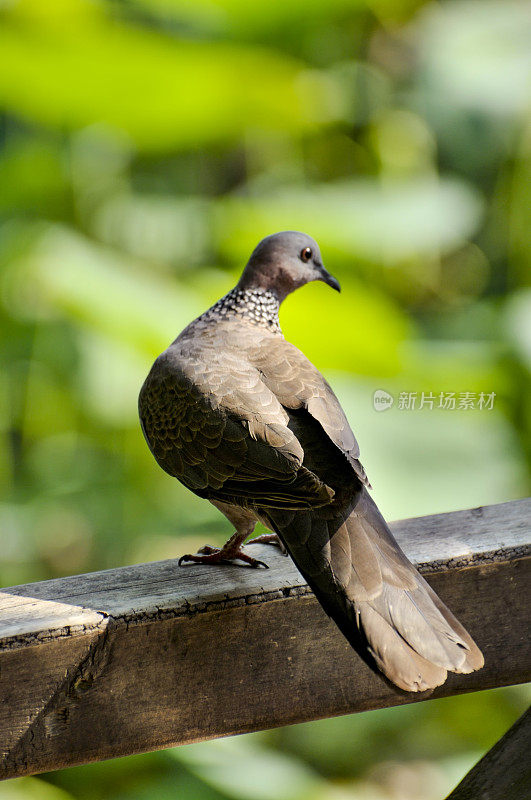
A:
(473, 656)
(356, 563)
(420, 626)
(395, 658)
(383, 606)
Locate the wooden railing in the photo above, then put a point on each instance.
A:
(149, 656)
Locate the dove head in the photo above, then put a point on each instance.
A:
(283, 262)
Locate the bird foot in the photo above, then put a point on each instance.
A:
(269, 538)
(221, 555)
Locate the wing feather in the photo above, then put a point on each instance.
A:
(296, 383)
(231, 443)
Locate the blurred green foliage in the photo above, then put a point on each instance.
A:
(145, 147)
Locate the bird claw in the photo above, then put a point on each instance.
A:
(216, 555)
(271, 539)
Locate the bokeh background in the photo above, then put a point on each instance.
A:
(145, 147)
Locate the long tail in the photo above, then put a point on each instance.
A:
(365, 583)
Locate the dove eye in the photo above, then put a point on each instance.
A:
(306, 254)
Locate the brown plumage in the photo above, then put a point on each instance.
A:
(242, 418)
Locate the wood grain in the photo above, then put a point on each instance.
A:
(148, 656)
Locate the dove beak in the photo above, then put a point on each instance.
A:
(324, 275)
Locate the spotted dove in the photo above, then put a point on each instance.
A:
(242, 418)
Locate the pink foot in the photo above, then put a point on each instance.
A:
(220, 555)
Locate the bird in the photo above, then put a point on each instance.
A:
(243, 419)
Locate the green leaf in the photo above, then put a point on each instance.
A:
(248, 18)
(32, 789)
(383, 223)
(245, 769)
(361, 331)
(477, 55)
(76, 67)
(99, 289)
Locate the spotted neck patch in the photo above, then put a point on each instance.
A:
(258, 306)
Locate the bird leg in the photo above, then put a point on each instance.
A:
(227, 554)
(269, 538)
(244, 522)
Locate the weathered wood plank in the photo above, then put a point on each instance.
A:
(505, 771)
(148, 656)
